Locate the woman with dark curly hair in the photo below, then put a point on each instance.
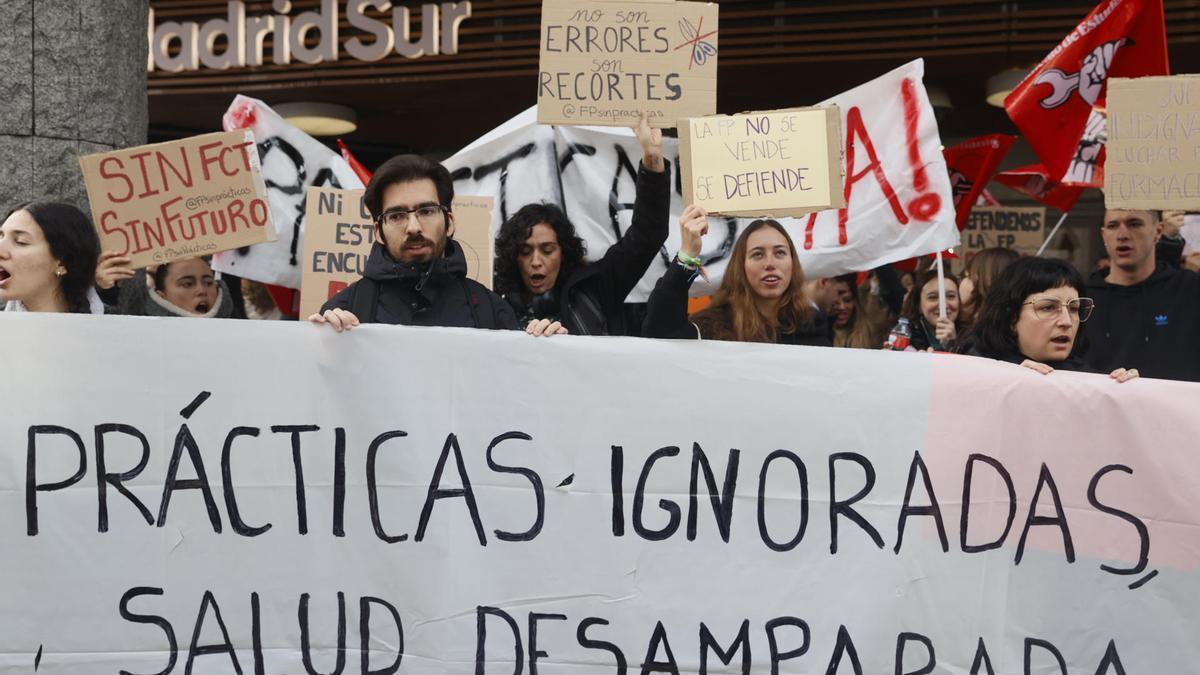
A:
(1031, 316)
(540, 266)
(48, 254)
(761, 298)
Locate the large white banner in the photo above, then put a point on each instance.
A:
(225, 497)
(896, 184)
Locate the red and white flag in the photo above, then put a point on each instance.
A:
(356, 166)
(972, 164)
(1053, 105)
(1034, 181)
(292, 162)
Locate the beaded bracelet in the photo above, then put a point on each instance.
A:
(688, 260)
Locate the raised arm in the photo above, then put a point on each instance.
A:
(666, 311)
(651, 140)
(626, 261)
(111, 269)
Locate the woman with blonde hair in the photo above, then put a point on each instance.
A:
(761, 298)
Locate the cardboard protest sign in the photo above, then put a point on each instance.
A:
(473, 231)
(292, 162)
(162, 202)
(603, 62)
(294, 501)
(1017, 227)
(763, 164)
(1153, 143)
(340, 233)
(338, 238)
(1191, 234)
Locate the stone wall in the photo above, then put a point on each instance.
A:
(72, 82)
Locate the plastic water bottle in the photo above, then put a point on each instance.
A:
(900, 337)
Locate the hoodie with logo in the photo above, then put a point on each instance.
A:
(1153, 326)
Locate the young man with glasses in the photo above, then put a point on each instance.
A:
(416, 274)
(1147, 312)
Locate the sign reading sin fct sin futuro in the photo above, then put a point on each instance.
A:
(168, 201)
(238, 40)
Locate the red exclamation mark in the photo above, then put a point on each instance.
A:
(926, 204)
(856, 133)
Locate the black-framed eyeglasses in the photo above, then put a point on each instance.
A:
(426, 214)
(1078, 309)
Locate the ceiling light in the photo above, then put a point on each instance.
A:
(319, 119)
(1000, 85)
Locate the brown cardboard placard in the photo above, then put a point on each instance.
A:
(771, 163)
(602, 62)
(339, 233)
(473, 231)
(1153, 147)
(166, 201)
(1022, 228)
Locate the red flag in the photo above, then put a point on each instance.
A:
(1051, 106)
(972, 164)
(1087, 165)
(1034, 181)
(358, 169)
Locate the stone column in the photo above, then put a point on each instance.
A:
(72, 82)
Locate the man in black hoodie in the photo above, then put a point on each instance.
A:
(416, 274)
(1147, 313)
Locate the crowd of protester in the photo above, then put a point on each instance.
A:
(1137, 315)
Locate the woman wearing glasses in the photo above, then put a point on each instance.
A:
(1031, 317)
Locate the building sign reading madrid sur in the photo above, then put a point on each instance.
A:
(311, 36)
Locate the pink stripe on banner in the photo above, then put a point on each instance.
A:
(1083, 428)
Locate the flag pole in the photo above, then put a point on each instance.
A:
(941, 287)
(1053, 232)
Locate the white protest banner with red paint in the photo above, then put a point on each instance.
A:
(292, 161)
(897, 190)
(167, 513)
(899, 203)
